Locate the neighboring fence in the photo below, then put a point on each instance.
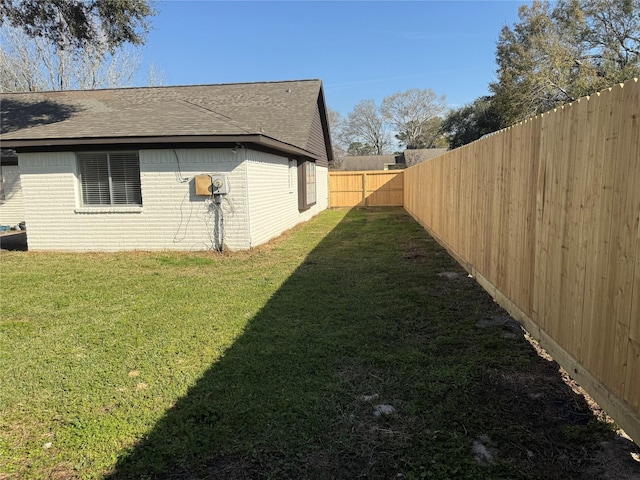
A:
(370, 188)
(545, 215)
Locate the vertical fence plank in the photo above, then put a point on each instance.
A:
(632, 385)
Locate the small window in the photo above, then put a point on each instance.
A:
(306, 184)
(110, 178)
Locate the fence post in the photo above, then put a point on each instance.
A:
(364, 189)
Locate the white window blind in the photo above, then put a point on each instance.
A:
(110, 178)
(306, 184)
(311, 183)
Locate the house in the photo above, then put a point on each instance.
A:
(406, 159)
(371, 162)
(184, 168)
(11, 203)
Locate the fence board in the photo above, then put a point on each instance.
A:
(546, 215)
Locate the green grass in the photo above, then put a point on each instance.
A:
(254, 365)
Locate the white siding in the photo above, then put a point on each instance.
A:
(172, 216)
(273, 196)
(12, 207)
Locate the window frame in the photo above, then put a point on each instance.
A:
(116, 187)
(307, 184)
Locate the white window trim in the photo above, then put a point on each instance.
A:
(109, 209)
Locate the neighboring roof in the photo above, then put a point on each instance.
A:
(415, 156)
(368, 162)
(378, 162)
(8, 157)
(279, 114)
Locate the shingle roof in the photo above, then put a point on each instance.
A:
(413, 157)
(283, 111)
(367, 162)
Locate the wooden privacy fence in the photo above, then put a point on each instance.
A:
(545, 215)
(371, 188)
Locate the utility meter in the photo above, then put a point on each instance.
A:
(219, 184)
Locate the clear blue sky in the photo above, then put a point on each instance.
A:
(360, 50)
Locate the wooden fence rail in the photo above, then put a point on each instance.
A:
(545, 215)
(371, 188)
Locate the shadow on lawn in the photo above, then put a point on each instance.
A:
(361, 318)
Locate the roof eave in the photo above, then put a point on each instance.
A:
(24, 145)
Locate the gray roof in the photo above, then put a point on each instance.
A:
(415, 156)
(283, 112)
(378, 162)
(8, 157)
(367, 162)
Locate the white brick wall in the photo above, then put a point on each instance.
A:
(172, 216)
(12, 208)
(273, 196)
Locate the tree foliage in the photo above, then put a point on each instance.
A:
(431, 135)
(415, 116)
(336, 128)
(471, 122)
(365, 125)
(70, 24)
(357, 148)
(555, 55)
(412, 113)
(32, 64)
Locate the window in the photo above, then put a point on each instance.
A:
(110, 178)
(306, 184)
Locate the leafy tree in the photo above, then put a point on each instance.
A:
(471, 122)
(365, 125)
(431, 136)
(76, 23)
(410, 114)
(555, 55)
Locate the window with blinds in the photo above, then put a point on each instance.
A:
(110, 178)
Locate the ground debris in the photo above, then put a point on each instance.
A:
(383, 409)
(483, 450)
(510, 327)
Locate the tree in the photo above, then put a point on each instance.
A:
(357, 148)
(431, 136)
(33, 64)
(71, 24)
(471, 122)
(366, 126)
(410, 112)
(556, 55)
(336, 127)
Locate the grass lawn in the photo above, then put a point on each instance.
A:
(271, 364)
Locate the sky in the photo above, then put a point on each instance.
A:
(360, 50)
